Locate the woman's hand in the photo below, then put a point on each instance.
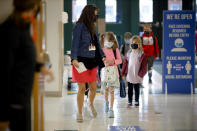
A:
(104, 60)
(47, 72)
(75, 63)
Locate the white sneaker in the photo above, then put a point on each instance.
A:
(79, 117)
(106, 106)
(92, 110)
(111, 113)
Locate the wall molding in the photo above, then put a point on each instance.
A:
(53, 93)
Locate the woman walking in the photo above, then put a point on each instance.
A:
(86, 49)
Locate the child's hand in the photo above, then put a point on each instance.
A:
(140, 78)
(109, 62)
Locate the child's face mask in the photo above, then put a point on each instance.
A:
(134, 46)
(127, 41)
(108, 44)
(147, 31)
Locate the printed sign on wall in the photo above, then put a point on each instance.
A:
(178, 51)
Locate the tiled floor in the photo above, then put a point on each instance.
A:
(157, 112)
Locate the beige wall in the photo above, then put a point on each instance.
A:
(54, 42)
(5, 9)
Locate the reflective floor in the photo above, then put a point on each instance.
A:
(157, 112)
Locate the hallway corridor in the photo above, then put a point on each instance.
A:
(157, 112)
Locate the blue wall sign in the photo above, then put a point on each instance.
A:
(178, 51)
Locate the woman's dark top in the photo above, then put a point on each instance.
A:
(81, 40)
(19, 64)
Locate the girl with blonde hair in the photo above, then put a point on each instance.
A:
(134, 69)
(109, 45)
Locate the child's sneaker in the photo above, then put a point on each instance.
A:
(111, 113)
(137, 104)
(129, 105)
(106, 106)
(150, 81)
(79, 117)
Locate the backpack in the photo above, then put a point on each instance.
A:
(123, 49)
(122, 84)
(153, 43)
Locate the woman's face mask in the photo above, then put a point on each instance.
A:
(108, 44)
(32, 16)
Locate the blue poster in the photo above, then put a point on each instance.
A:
(178, 52)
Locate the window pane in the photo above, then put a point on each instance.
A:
(110, 10)
(77, 7)
(146, 10)
(196, 10)
(174, 4)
